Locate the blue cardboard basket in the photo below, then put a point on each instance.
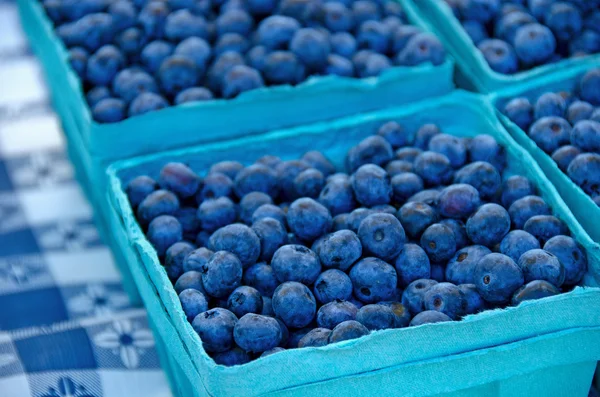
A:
(547, 347)
(582, 206)
(473, 72)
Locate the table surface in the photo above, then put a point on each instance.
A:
(66, 325)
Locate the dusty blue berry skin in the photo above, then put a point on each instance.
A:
(193, 303)
(434, 168)
(193, 94)
(177, 73)
(343, 44)
(408, 153)
(296, 335)
(261, 277)
(589, 87)
(372, 150)
(412, 297)
(276, 31)
(332, 285)
(461, 267)
(401, 35)
(439, 242)
(424, 135)
(497, 277)
(309, 183)
(335, 312)
(340, 250)
(437, 272)
(371, 185)
(475, 30)
(460, 232)
(244, 300)
(296, 263)
(484, 147)
(429, 317)
(564, 20)
(317, 337)
(373, 35)
(396, 167)
(394, 134)
(130, 83)
(272, 351)
(579, 110)
(215, 328)
(109, 110)
(146, 102)
(283, 67)
(373, 280)
(318, 161)
(458, 201)
(250, 202)
(222, 274)
(446, 298)
(154, 53)
(564, 155)
(473, 302)
(538, 264)
(190, 279)
(405, 185)
(420, 48)
(584, 170)
(571, 256)
(216, 184)
(164, 231)
(586, 135)
(514, 188)
(482, 175)
(451, 147)
(544, 227)
(287, 171)
(401, 313)
(103, 65)
(196, 259)
(381, 235)
(159, 202)
(375, 317)
(479, 10)
(520, 111)
(550, 133)
(524, 208)
(517, 242)
(197, 50)
(234, 21)
(337, 196)
(488, 225)
(357, 216)
(238, 239)
(415, 217)
(229, 358)
(294, 304)
(269, 211)
(412, 264)
(139, 188)
(308, 219)
(97, 94)
(256, 333)
(549, 104)
(312, 47)
(427, 196)
(180, 179)
(534, 44)
(347, 330)
(256, 178)
(536, 289)
(499, 55)
(272, 235)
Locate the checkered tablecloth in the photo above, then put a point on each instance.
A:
(66, 326)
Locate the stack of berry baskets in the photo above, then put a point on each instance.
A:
(558, 121)
(331, 258)
(499, 43)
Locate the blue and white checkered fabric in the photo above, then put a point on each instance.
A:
(66, 325)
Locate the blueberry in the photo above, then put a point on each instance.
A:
(131, 41)
(238, 239)
(372, 150)
(497, 277)
(164, 231)
(479, 10)
(152, 18)
(195, 49)
(420, 48)
(177, 73)
(415, 217)
(332, 285)
(139, 188)
(154, 53)
(381, 235)
(104, 65)
(296, 263)
(197, 259)
(458, 201)
(374, 35)
(401, 36)
(571, 256)
(507, 26)
(222, 274)
(534, 44)
(335, 312)
(130, 83)
(460, 232)
(520, 112)
(517, 242)
(588, 42)
(396, 167)
(340, 250)
(269, 211)
(412, 297)
(539, 8)
(231, 42)
(363, 10)
(261, 7)
(473, 302)
(405, 185)
(181, 24)
(376, 317)
(309, 183)
(174, 259)
(287, 171)
(250, 203)
(578, 111)
(272, 351)
(190, 280)
(514, 188)
(78, 59)
(318, 161)
(283, 67)
(317, 337)
(216, 184)
(564, 20)
(586, 135)
(336, 17)
(234, 21)
(256, 178)
(296, 336)
(215, 328)
(536, 289)
(257, 333)
(373, 280)
(272, 235)
(193, 94)
(343, 44)
(538, 264)
(446, 298)
(488, 225)
(450, 146)
(146, 102)
(193, 303)
(97, 94)
(294, 304)
(429, 317)
(180, 179)
(214, 214)
(229, 358)
(461, 267)
(267, 309)
(109, 110)
(375, 64)
(584, 170)
(401, 314)
(526, 207)
(159, 202)
(308, 219)
(276, 31)
(439, 242)
(564, 155)
(476, 31)
(312, 47)
(549, 105)
(589, 87)
(433, 168)
(95, 30)
(500, 55)
(347, 330)
(544, 227)
(482, 175)
(412, 264)
(484, 147)
(123, 13)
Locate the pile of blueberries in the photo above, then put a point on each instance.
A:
(516, 35)
(421, 228)
(136, 56)
(567, 126)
